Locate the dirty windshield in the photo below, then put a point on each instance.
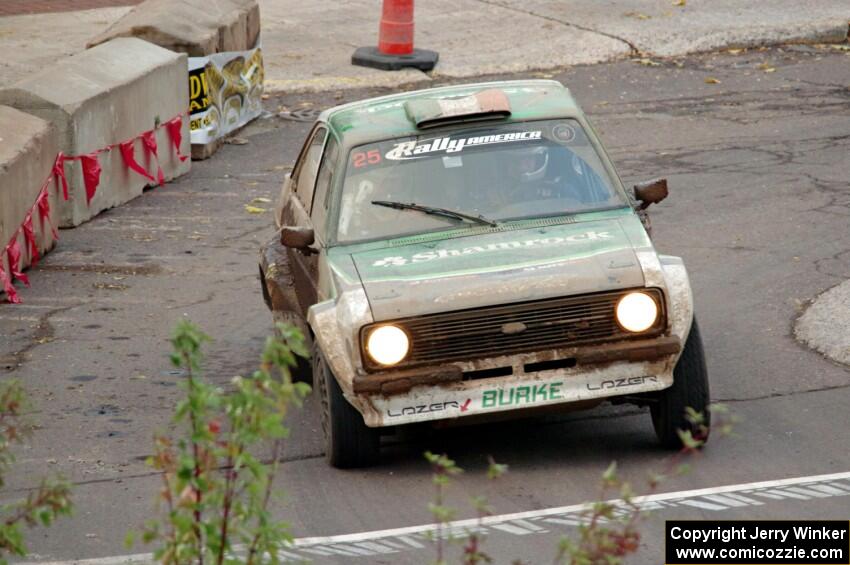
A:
(505, 172)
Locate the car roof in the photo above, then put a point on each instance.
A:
(376, 119)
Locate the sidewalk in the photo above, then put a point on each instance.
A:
(18, 7)
(308, 45)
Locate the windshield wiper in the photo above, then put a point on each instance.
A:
(445, 212)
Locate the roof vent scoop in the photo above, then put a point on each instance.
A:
(490, 104)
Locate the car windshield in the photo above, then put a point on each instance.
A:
(504, 172)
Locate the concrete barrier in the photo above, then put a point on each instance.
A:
(195, 27)
(106, 95)
(28, 148)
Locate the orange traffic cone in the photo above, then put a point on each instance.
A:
(395, 42)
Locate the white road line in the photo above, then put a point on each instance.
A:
(311, 550)
(703, 504)
(529, 525)
(409, 541)
(749, 501)
(403, 534)
(766, 494)
(809, 492)
(728, 501)
(563, 521)
(376, 547)
(829, 490)
(513, 529)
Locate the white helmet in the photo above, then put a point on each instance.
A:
(540, 159)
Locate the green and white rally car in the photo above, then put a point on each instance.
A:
(465, 251)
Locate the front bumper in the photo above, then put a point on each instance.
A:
(600, 371)
(453, 391)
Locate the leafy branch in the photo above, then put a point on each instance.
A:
(216, 487)
(43, 505)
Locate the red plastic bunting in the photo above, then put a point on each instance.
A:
(11, 294)
(13, 252)
(91, 180)
(128, 152)
(59, 174)
(43, 204)
(29, 239)
(149, 143)
(91, 174)
(175, 131)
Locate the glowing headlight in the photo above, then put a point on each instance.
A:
(637, 312)
(387, 345)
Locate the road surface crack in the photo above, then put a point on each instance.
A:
(44, 332)
(633, 49)
(149, 474)
(783, 394)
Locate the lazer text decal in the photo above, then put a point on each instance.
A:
(501, 246)
(411, 150)
(617, 383)
(425, 408)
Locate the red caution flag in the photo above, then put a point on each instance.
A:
(13, 253)
(11, 294)
(175, 131)
(129, 153)
(43, 204)
(29, 239)
(149, 143)
(59, 174)
(91, 174)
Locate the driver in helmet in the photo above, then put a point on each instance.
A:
(527, 175)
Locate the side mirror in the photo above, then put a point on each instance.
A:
(651, 192)
(297, 238)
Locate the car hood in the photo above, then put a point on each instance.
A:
(499, 266)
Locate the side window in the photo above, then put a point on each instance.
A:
(323, 185)
(308, 167)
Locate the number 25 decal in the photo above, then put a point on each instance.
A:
(362, 159)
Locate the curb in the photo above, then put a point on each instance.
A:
(825, 325)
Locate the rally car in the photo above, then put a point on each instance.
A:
(465, 251)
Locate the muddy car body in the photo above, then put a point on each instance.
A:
(483, 230)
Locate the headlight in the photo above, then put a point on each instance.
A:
(387, 345)
(637, 312)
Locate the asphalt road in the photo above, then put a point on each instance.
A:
(759, 209)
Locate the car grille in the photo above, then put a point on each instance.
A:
(548, 324)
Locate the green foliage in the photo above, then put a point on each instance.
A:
(724, 421)
(216, 487)
(610, 529)
(443, 469)
(43, 505)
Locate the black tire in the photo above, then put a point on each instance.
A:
(349, 442)
(303, 370)
(690, 389)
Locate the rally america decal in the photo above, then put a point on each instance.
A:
(407, 150)
(501, 246)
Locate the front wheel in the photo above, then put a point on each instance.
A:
(349, 442)
(689, 390)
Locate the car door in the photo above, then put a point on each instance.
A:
(321, 201)
(296, 212)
